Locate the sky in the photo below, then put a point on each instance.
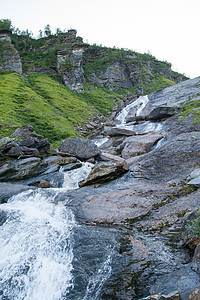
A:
(168, 29)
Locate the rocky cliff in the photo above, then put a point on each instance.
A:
(77, 63)
(9, 56)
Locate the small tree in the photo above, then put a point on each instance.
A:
(47, 30)
(40, 34)
(6, 24)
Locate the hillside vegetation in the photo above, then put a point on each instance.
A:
(66, 82)
(50, 107)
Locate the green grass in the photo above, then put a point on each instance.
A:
(101, 98)
(193, 107)
(50, 107)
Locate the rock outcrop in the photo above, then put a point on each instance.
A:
(10, 59)
(70, 68)
(25, 144)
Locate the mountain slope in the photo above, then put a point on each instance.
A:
(50, 107)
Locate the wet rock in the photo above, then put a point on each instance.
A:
(123, 206)
(44, 184)
(3, 217)
(183, 280)
(7, 190)
(139, 144)
(19, 169)
(171, 296)
(159, 113)
(104, 173)
(56, 179)
(79, 147)
(59, 160)
(173, 96)
(112, 146)
(115, 131)
(195, 295)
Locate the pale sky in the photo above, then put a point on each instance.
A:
(168, 29)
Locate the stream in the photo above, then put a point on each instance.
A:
(46, 253)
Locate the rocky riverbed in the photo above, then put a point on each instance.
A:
(137, 192)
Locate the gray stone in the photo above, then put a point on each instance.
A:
(183, 280)
(171, 296)
(30, 139)
(79, 147)
(6, 143)
(172, 160)
(72, 73)
(11, 60)
(105, 173)
(159, 113)
(115, 131)
(195, 295)
(44, 184)
(139, 144)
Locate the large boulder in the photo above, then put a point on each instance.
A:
(139, 144)
(104, 173)
(80, 148)
(162, 112)
(115, 131)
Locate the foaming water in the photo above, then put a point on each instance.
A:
(36, 246)
(139, 104)
(72, 178)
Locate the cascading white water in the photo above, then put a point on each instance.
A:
(36, 243)
(72, 178)
(139, 104)
(144, 127)
(36, 248)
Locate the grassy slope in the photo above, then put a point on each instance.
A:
(51, 108)
(193, 107)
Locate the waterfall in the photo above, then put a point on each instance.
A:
(144, 127)
(139, 104)
(36, 246)
(73, 177)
